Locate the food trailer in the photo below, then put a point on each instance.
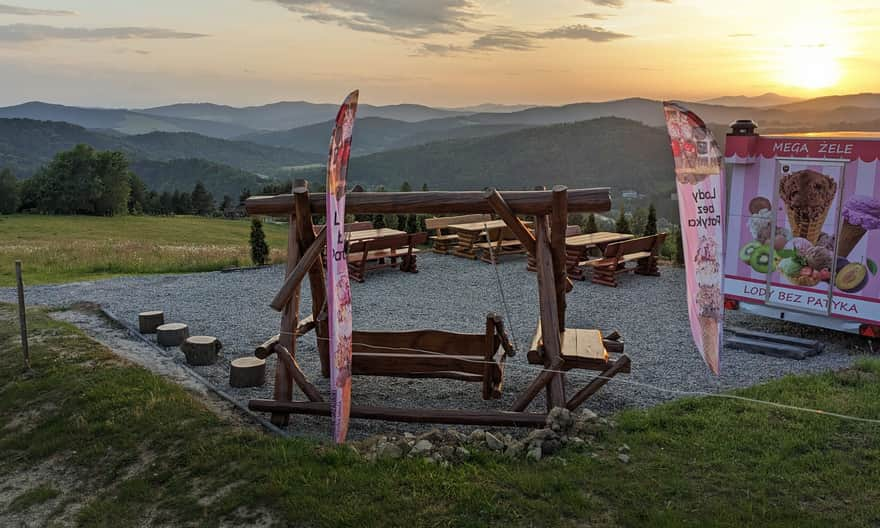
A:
(803, 232)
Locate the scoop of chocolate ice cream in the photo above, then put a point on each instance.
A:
(808, 193)
(819, 258)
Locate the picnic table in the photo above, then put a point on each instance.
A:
(476, 236)
(372, 249)
(371, 234)
(577, 247)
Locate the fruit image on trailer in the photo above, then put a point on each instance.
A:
(803, 232)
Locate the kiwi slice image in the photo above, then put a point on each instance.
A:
(745, 254)
(760, 260)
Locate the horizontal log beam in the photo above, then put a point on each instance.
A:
(391, 414)
(439, 202)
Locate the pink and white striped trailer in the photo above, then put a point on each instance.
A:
(803, 232)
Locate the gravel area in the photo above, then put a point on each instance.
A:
(455, 294)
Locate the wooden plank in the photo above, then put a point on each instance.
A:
(443, 222)
(379, 364)
(583, 344)
(407, 342)
(521, 202)
(438, 416)
(299, 272)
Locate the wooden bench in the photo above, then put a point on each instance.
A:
(432, 354)
(444, 241)
(585, 350)
(572, 230)
(384, 252)
(643, 251)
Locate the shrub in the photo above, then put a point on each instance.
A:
(259, 248)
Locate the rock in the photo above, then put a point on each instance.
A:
(409, 436)
(515, 449)
(588, 416)
(534, 453)
(550, 447)
(575, 441)
(422, 446)
(388, 451)
(429, 460)
(462, 452)
(477, 436)
(434, 436)
(493, 443)
(559, 419)
(623, 458)
(623, 449)
(447, 451)
(539, 435)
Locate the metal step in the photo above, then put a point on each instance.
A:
(770, 348)
(775, 338)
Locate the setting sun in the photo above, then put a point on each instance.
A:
(809, 67)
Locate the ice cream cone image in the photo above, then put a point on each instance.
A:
(849, 237)
(709, 331)
(860, 215)
(807, 195)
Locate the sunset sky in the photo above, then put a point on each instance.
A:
(136, 53)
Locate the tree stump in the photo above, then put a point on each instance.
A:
(201, 350)
(247, 372)
(149, 321)
(172, 334)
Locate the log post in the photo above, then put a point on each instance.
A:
(22, 316)
(552, 339)
(148, 322)
(172, 334)
(522, 233)
(201, 350)
(621, 364)
(248, 372)
(558, 226)
(317, 284)
(289, 321)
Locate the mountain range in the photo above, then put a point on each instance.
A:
(620, 143)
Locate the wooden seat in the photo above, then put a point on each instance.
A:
(643, 251)
(443, 241)
(384, 252)
(432, 354)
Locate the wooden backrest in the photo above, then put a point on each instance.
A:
(418, 238)
(442, 222)
(418, 341)
(649, 243)
(388, 242)
(572, 230)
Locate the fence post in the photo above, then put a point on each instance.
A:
(22, 317)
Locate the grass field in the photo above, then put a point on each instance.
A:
(92, 440)
(57, 249)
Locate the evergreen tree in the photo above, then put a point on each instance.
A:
(8, 192)
(245, 194)
(182, 203)
(226, 204)
(259, 248)
(137, 200)
(405, 187)
(424, 187)
(638, 221)
(379, 221)
(202, 201)
(166, 203)
(651, 224)
(591, 226)
(413, 223)
(622, 224)
(679, 247)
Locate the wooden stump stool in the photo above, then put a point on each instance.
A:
(201, 350)
(172, 334)
(149, 321)
(247, 372)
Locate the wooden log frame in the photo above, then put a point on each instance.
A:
(551, 263)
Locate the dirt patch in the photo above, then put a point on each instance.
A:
(61, 508)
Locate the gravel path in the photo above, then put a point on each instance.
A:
(455, 294)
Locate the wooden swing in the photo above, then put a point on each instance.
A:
(432, 353)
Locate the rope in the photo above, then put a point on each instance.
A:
(501, 291)
(590, 377)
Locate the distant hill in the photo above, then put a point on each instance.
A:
(758, 101)
(602, 152)
(182, 175)
(376, 134)
(26, 145)
(293, 114)
(832, 102)
(492, 107)
(124, 121)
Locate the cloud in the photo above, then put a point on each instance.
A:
(516, 40)
(34, 33)
(741, 35)
(6, 9)
(593, 16)
(400, 18)
(608, 3)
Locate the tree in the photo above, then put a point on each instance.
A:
(138, 197)
(651, 224)
(405, 187)
(424, 187)
(591, 226)
(413, 223)
(679, 247)
(259, 248)
(622, 224)
(226, 204)
(245, 194)
(202, 200)
(114, 178)
(182, 203)
(638, 221)
(166, 203)
(8, 192)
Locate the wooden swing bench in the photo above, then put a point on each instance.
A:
(478, 358)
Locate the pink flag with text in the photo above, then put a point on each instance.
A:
(338, 287)
(699, 175)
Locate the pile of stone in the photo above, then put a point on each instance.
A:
(562, 429)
